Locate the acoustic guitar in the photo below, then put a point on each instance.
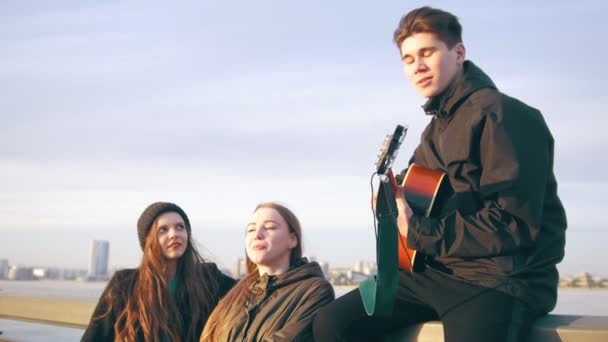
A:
(424, 189)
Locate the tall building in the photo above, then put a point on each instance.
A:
(239, 269)
(366, 267)
(98, 260)
(20, 273)
(325, 267)
(3, 268)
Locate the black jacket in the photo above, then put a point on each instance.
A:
(504, 227)
(121, 282)
(281, 308)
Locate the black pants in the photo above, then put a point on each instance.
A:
(468, 312)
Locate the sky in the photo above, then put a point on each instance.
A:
(108, 106)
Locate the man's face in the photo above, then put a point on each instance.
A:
(429, 64)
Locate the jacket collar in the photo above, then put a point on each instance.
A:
(444, 105)
(265, 284)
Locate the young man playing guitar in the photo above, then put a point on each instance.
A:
(489, 256)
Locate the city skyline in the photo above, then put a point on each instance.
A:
(223, 247)
(110, 106)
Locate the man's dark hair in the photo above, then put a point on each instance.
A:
(427, 19)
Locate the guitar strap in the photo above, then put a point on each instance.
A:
(378, 293)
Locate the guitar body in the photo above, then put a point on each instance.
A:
(407, 256)
(424, 191)
(423, 188)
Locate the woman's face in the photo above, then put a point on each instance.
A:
(269, 241)
(172, 235)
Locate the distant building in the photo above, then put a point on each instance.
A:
(20, 273)
(98, 260)
(68, 274)
(358, 265)
(3, 268)
(340, 276)
(583, 279)
(39, 272)
(364, 267)
(325, 267)
(239, 269)
(356, 277)
(566, 282)
(53, 273)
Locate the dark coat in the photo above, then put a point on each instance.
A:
(504, 227)
(281, 308)
(122, 281)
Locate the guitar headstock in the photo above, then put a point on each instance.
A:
(389, 150)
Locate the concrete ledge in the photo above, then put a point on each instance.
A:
(551, 328)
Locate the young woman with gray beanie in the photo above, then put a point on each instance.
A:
(170, 295)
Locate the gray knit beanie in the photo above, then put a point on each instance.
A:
(153, 211)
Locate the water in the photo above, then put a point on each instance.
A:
(16, 331)
(570, 302)
(53, 289)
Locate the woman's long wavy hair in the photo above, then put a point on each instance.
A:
(229, 307)
(150, 312)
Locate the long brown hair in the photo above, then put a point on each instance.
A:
(229, 307)
(149, 310)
